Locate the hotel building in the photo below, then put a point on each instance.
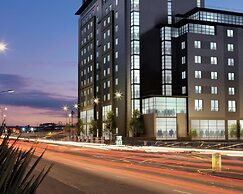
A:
(177, 62)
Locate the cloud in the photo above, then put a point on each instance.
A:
(36, 99)
(26, 96)
(9, 81)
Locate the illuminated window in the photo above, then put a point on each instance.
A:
(214, 105)
(213, 45)
(198, 59)
(230, 33)
(231, 91)
(198, 89)
(198, 105)
(231, 106)
(197, 44)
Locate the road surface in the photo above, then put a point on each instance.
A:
(87, 170)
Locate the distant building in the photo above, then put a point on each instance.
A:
(177, 62)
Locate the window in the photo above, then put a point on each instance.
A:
(116, 41)
(198, 105)
(108, 84)
(116, 68)
(183, 75)
(214, 75)
(183, 45)
(116, 55)
(231, 106)
(116, 2)
(197, 44)
(116, 81)
(198, 59)
(231, 76)
(198, 89)
(231, 91)
(230, 47)
(198, 74)
(214, 90)
(183, 60)
(214, 105)
(184, 90)
(214, 60)
(198, 3)
(213, 45)
(230, 33)
(231, 62)
(116, 28)
(116, 15)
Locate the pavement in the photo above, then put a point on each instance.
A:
(134, 148)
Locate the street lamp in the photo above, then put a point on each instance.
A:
(3, 47)
(96, 100)
(7, 91)
(3, 125)
(65, 109)
(118, 95)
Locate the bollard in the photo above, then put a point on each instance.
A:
(216, 162)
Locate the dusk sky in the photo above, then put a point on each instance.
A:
(41, 61)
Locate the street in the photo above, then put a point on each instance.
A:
(87, 170)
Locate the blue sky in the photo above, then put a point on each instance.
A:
(41, 61)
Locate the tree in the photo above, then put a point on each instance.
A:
(193, 133)
(233, 130)
(136, 123)
(79, 127)
(93, 127)
(110, 122)
(67, 128)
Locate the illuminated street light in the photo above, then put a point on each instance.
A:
(118, 95)
(75, 106)
(3, 47)
(65, 108)
(96, 100)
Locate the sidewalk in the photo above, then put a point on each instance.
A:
(135, 148)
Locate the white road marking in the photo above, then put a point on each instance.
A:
(181, 191)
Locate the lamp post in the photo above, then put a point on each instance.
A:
(65, 109)
(3, 119)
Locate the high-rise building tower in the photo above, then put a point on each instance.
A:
(175, 61)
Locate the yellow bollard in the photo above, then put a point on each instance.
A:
(216, 162)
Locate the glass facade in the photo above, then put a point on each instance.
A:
(164, 107)
(217, 17)
(232, 129)
(135, 55)
(87, 116)
(166, 110)
(208, 129)
(166, 47)
(241, 129)
(166, 128)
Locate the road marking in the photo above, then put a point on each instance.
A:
(181, 192)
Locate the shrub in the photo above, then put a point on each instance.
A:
(16, 174)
